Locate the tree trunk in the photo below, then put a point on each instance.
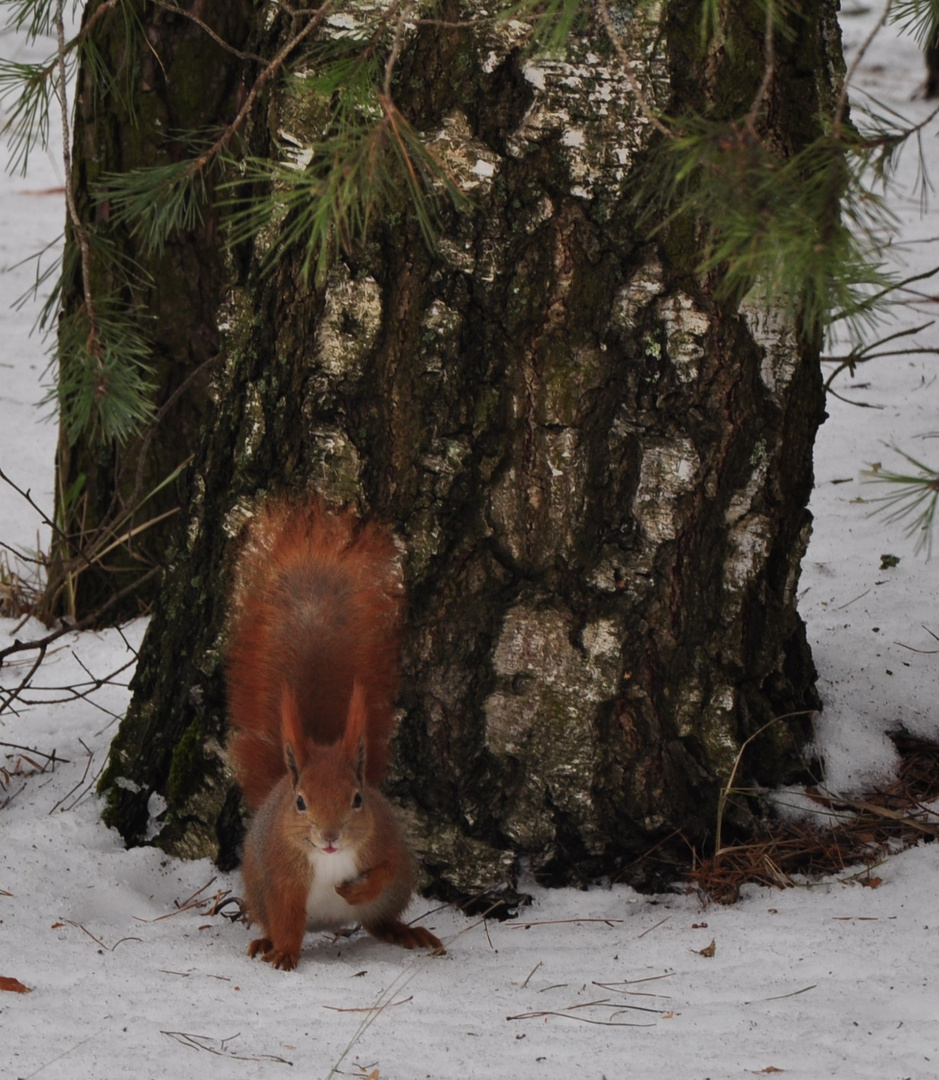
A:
(599, 469)
(167, 77)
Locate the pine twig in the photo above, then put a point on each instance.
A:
(80, 234)
(769, 71)
(842, 104)
(176, 9)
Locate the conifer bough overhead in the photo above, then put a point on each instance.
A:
(805, 228)
(488, 276)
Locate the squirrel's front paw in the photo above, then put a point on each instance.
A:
(355, 892)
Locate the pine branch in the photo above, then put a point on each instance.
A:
(769, 69)
(916, 498)
(154, 203)
(841, 107)
(315, 20)
(74, 217)
(30, 86)
(97, 15)
(204, 26)
(919, 18)
(102, 389)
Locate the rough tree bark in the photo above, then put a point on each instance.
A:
(166, 80)
(599, 470)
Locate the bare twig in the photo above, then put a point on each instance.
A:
(842, 104)
(769, 70)
(6, 802)
(80, 783)
(80, 235)
(79, 691)
(192, 903)
(80, 624)
(400, 23)
(221, 42)
(97, 940)
(260, 82)
(26, 493)
(12, 695)
(36, 560)
(98, 14)
(52, 759)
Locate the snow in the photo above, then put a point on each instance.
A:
(830, 979)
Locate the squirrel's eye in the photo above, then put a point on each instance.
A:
(301, 803)
(357, 800)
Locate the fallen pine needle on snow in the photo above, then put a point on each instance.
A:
(615, 987)
(219, 1047)
(369, 1008)
(529, 923)
(782, 997)
(582, 1019)
(654, 926)
(97, 940)
(532, 972)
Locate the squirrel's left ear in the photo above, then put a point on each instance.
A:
(353, 742)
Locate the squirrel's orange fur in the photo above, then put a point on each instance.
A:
(312, 670)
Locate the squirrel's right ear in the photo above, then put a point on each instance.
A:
(291, 732)
(353, 742)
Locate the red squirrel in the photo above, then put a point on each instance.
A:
(312, 669)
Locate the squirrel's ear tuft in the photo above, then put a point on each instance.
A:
(291, 732)
(353, 742)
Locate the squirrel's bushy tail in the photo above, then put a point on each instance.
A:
(317, 607)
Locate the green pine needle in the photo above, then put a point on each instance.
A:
(108, 82)
(328, 197)
(26, 90)
(913, 501)
(920, 18)
(103, 386)
(802, 233)
(156, 202)
(34, 18)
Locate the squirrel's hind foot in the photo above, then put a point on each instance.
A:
(278, 958)
(409, 937)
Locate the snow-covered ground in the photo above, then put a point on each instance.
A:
(831, 980)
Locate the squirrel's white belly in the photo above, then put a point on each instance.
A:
(325, 908)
